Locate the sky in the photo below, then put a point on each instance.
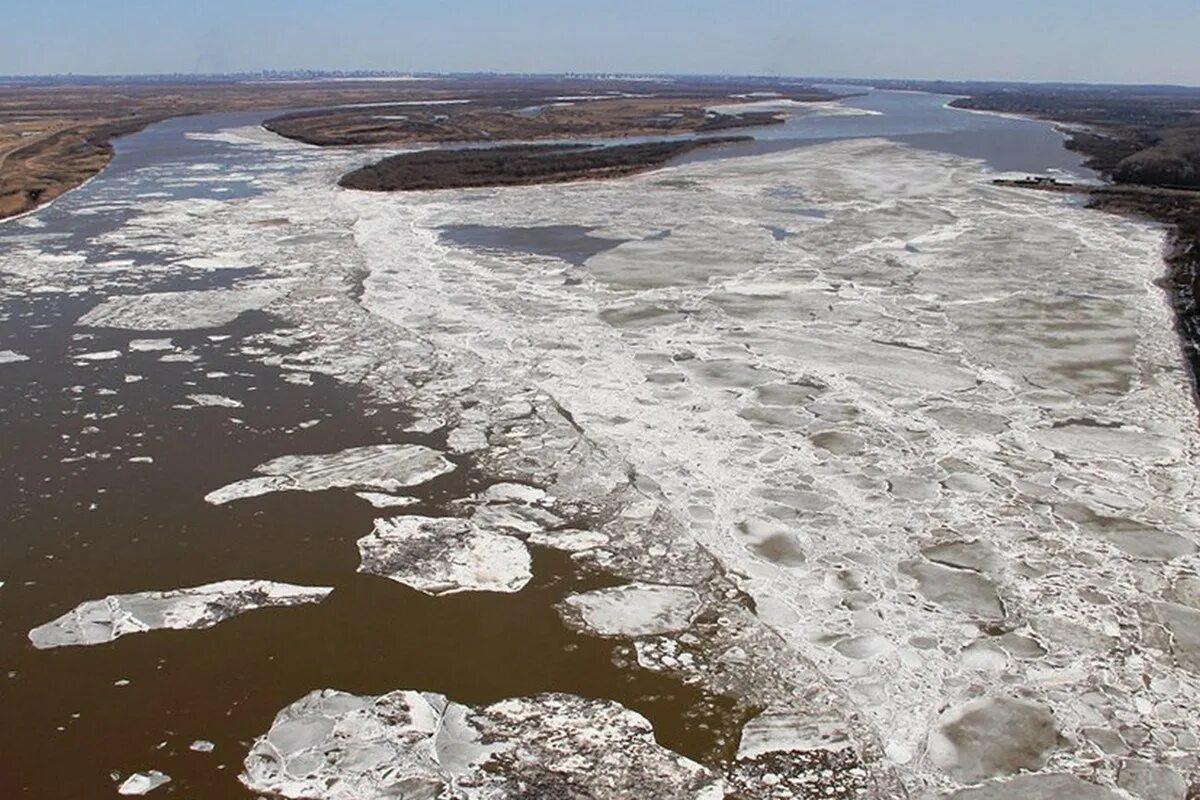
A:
(1120, 41)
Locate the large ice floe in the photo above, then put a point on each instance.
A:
(910, 480)
(110, 618)
(331, 745)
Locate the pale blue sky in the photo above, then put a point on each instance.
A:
(1088, 40)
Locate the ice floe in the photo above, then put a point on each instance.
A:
(141, 783)
(381, 500)
(444, 555)
(384, 467)
(101, 621)
(12, 357)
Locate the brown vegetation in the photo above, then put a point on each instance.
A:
(516, 165)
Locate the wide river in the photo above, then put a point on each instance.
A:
(888, 452)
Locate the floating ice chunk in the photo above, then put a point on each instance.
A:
(380, 500)
(11, 357)
(636, 609)
(993, 737)
(214, 400)
(101, 621)
(141, 783)
(425, 425)
(177, 311)
(202, 746)
(102, 355)
(386, 467)
(250, 487)
(444, 555)
(335, 746)
(150, 345)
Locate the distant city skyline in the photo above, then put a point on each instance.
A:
(1109, 41)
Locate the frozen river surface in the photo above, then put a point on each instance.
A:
(901, 462)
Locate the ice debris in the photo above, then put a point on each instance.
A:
(11, 357)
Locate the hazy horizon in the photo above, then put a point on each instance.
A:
(1065, 41)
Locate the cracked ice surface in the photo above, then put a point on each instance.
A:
(936, 362)
(196, 608)
(942, 432)
(385, 467)
(331, 745)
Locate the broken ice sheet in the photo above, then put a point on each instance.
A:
(445, 555)
(385, 467)
(331, 745)
(101, 621)
(11, 357)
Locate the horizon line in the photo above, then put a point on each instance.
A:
(416, 74)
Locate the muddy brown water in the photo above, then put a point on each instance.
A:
(68, 723)
(80, 521)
